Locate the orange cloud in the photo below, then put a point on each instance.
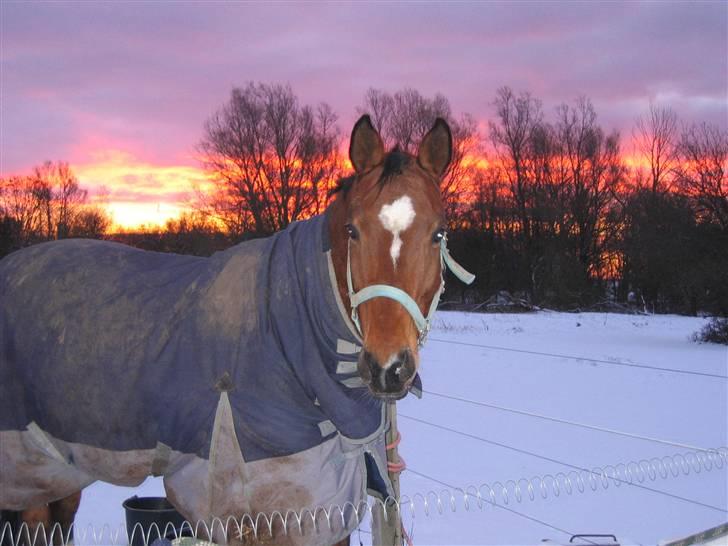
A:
(477, 161)
(138, 192)
(635, 161)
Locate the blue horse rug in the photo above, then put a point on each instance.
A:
(233, 376)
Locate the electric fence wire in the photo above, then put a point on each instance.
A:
(506, 508)
(565, 421)
(583, 358)
(624, 474)
(499, 494)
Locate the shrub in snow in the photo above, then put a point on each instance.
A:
(716, 331)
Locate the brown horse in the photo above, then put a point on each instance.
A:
(386, 229)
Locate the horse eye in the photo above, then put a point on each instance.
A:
(352, 231)
(438, 235)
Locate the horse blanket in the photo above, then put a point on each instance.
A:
(233, 376)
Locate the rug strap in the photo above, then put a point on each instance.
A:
(161, 459)
(44, 442)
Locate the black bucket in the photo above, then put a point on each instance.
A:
(152, 517)
(9, 527)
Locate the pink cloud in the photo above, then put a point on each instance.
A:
(83, 79)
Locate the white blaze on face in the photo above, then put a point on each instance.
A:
(397, 217)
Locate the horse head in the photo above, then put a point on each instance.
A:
(388, 236)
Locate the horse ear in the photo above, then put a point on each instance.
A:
(435, 150)
(366, 149)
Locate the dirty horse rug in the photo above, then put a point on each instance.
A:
(233, 376)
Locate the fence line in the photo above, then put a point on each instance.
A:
(624, 473)
(584, 358)
(500, 494)
(506, 508)
(566, 422)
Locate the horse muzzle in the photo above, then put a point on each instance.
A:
(392, 381)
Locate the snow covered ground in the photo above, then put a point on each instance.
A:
(623, 392)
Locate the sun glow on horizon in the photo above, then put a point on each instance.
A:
(129, 216)
(137, 192)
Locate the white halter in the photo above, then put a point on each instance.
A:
(422, 322)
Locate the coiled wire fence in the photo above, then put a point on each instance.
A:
(264, 526)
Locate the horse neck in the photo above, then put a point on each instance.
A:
(339, 241)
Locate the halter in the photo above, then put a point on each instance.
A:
(422, 322)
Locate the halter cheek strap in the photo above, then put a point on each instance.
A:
(422, 322)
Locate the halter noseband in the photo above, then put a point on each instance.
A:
(422, 322)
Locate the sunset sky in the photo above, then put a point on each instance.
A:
(121, 90)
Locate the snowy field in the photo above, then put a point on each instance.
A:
(626, 387)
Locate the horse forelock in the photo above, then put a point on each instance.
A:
(394, 164)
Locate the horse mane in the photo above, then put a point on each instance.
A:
(343, 185)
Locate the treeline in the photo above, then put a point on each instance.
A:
(46, 205)
(559, 218)
(546, 205)
(541, 205)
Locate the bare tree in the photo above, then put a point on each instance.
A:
(404, 117)
(656, 141)
(59, 196)
(486, 207)
(559, 181)
(590, 170)
(90, 222)
(20, 209)
(274, 160)
(702, 171)
(48, 204)
(519, 120)
(468, 153)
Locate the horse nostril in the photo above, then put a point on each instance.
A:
(368, 367)
(401, 370)
(396, 376)
(390, 380)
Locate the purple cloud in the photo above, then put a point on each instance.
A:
(143, 77)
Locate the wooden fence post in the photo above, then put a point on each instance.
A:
(391, 529)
